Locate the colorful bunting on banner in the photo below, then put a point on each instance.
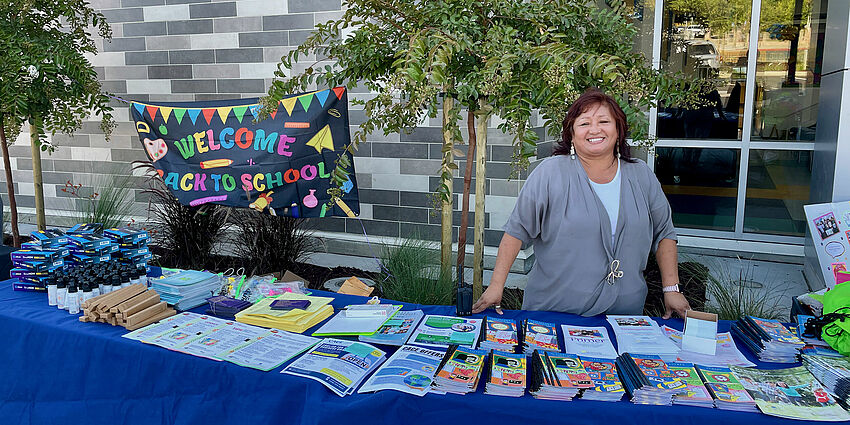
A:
(322, 96)
(255, 110)
(208, 114)
(178, 113)
(223, 112)
(151, 111)
(193, 114)
(239, 111)
(289, 104)
(306, 101)
(339, 91)
(165, 111)
(139, 107)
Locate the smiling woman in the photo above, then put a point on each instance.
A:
(592, 216)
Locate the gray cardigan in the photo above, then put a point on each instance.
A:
(576, 268)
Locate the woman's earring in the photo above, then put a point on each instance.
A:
(572, 151)
(617, 150)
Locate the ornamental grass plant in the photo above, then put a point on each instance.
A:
(269, 244)
(410, 273)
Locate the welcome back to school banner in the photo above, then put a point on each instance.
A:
(214, 152)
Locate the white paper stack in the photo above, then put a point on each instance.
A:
(588, 341)
(641, 335)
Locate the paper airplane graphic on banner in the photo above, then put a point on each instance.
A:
(322, 140)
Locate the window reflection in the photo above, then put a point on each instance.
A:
(707, 40)
(777, 189)
(788, 67)
(701, 185)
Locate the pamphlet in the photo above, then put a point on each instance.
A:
(588, 341)
(442, 331)
(507, 374)
(175, 339)
(727, 352)
(343, 324)
(540, 336)
(499, 334)
(460, 370)
(727, 391)
(395, 331)
(606, 384)
(695, 394)
(152, 331)
(338, 364)
(410, 369)
(221, 339)
(790, 393)
(641, 335)
(269, 350)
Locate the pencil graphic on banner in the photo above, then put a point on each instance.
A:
(215, 163)
(345, 208)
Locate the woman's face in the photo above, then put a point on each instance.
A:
(595, 133)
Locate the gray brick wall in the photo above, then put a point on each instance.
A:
(187, 50)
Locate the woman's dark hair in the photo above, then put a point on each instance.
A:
(590, 98)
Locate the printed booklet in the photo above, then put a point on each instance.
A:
(499, 334)
(641, 335)
(410, 369)
(606, 384)
(728, 393)
(695, 394)
(790, 393)
(442, 331)
(338, 364)
(507, 374)
(540, 336)
(460, 370)
(588, 341)
(395, 331)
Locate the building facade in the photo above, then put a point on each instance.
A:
(737, 172)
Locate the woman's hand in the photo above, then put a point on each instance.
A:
(491, 297)
(674, 302)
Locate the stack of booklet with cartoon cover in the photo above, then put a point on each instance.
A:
(397, 330)
(507, 374)
(588, 341)
(557, 376)
(641, 335)
(834, 373)
(790, 393)
(648, 380)
(606, 383)
(768, 339)
(695, 393)
(499, 334)
(539, 335)
(727, 391)
(460, 370)
(186, 289)
(338, 364)
(410, 369)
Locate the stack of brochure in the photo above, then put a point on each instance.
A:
(557, 376)
(410, 369)
(460, 370)
(727, 391)
(442, 331)
(397, 330)
(833, 373)
(588, 341)
(295, 320)
(648, 380)
(507, 374)
(727, 352)
(338, 364)
(768, 339)
(695, 394)
(606, 384)
(353, 321)
(186, 289)
(499, 334)
(791, 393)
(641, 335)
(539, 336)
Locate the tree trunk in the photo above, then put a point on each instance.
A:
(447, 206)
(10, 187)
(482, 114)
(36, 174)
(464, 213)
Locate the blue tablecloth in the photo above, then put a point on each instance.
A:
(57, 370)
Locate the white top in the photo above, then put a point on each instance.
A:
(609, 194)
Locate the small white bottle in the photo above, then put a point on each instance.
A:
(73, 300)
(51, 292)
(61, 292)
(95, 291)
